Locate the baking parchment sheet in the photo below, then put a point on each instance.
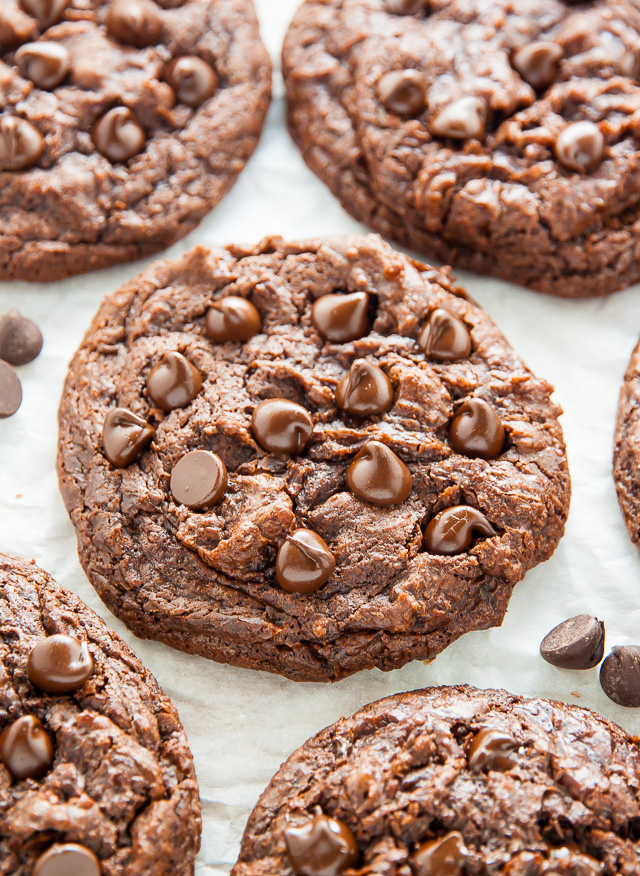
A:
(243, 724)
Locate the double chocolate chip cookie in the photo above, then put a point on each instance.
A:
(626, 453)
(500, 137)
(452, 781)
(96, 777)
(310, 458)
(122, 123)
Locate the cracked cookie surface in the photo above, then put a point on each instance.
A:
(626, 452)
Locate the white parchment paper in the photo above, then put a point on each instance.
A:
(243, 724)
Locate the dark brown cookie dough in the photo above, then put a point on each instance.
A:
(626, 451)
(236, 580)
(122, 123)
(493, 782)
(499, 137)
(114, 771)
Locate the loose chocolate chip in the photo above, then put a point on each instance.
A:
(441, 857)
(577, 643)
(620, 676)
(476, 430)
(136, 22)
(21, 144)
(403, 92)
(199, 480)
(10, 391)
(193, 80)
(304, 563)
(492, 750)
(69, 859)
(59, 664)
(232, 319)
(341, 318)
(445, 337)
(118, 135)
(378, 476)
(580, 146)
(406, 7)
(321, 846)
(538, 63)
(463, 119)
(364, 390)
(125, 436)
(453, 530)
(46, 64)
(281, 426)
(26, 749)
(20, 338)
(173, 382)
(47, 12)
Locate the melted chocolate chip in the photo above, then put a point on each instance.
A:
(378, 476)
(403, 92)
(26, 749)
(322, 846)
(341, 318)
(364, 390)
(538, 63)
(47, 12)
(441, 857)
(464, 119)
(281, 426)
(232, 319)
(453, 530)
(406, 7)
(46, 64)
(620, 676)
(577, 643)
(59, 664)
(580, 146)
(199, 480)
(304, 563)
(476, 430)
(492, 750)
(118, 135)
(21, 144)
(173, 382)
(10, 391)
(69, 859)
(445, 337)
(20, 338)
(136, 22)
(193, 80)
(125, 436)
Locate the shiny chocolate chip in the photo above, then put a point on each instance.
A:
(440, 857)
(403, 92)
(304, 563)
(136, 22)
(620, 676)
(173, 382)
(476, 430)
(68, 859)
(281, 426)
(20, 338)
(193, 80)
(46, 64)
(26, 749)
(445, 337)
(118, 135)
(580, 146)
(47, 12)
(464, 119)
(125, 436)
(537, 63)
(10, 391)
(232, 319)
(364, 390)
(577, 643)
(378, 476)
(341, 318)
(21, 144)
(453, 530)
(59, 664)
(322, 846)
(406, 7)
(199, 480)
(492, 750)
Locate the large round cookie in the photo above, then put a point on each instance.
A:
(626, 452)
(451, 781)
(104, 763)
(496, 136)
(232, 578)
(123, 122)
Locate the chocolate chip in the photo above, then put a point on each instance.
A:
(26, 749)
(620, 676)
(341, 318)
(440, 857)
(173, 382)
(125, 436)
(445, 337)
(21, 144)
(322, 846)
(453, 530)
(136, 22)
(406, 7)
(476, 430)
(378, 476)
(403, 92)
(10, 391)
(193, 80)
(492, 750)
(20, 338)
(47, 12)
(199, 480)
(580, 146)
(46, 64)
(304, 563)
(538, 63)
(463, 119)
(232, 319)
(364, 390)
(281, 426)
(577, 643)
(59, 664)
(118, 135)
(68, 859)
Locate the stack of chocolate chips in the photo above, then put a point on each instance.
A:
(20, 343)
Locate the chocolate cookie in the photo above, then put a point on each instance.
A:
(500, 137)
(311, 458)
(626, 452)
(123, 122)
(96, 776)
(451, 781)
